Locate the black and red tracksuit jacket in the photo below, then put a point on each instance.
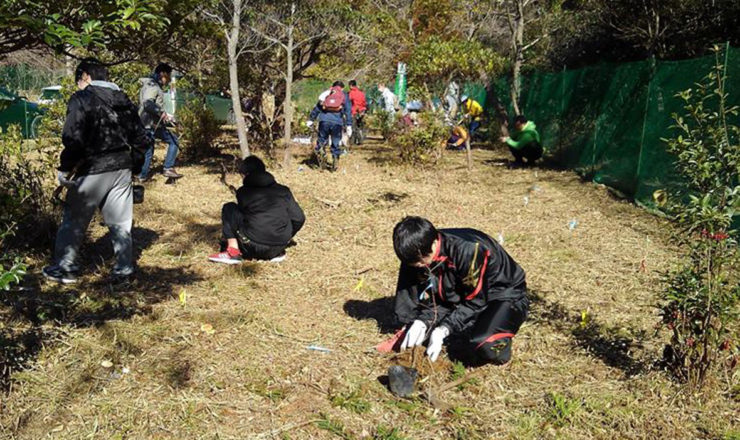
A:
(469, 271)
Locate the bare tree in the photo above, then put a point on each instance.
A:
(228, 15)
(291, 29)
(653, 25)
(514, 11)
(479, 15)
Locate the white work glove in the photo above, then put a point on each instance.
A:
(309, 124)
(349, 131)
(414, 335)
(63, 180)
(435, 342)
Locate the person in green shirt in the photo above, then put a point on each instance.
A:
(524, 142)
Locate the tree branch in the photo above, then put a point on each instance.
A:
(535, 41)
(310, 39)
(268, 37)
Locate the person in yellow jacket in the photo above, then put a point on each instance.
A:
(457, 139)
(473, 112)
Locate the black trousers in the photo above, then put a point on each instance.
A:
(495, 327)
(531, 152)
(232, 220)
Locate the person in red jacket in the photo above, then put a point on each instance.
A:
(359, 107)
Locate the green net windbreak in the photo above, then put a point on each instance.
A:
(606, 121)
(477, 91)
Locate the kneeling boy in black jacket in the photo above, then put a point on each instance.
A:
(452, 280)
(262, 222)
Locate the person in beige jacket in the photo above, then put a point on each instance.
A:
(155, 120)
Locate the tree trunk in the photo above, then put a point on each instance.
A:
(232, 41)
(469, 153)
(516, 84)
(518, 55)
(69, 65)
(288, 102)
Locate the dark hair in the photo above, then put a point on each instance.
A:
(94, 68)
(338, 84)
(520, 119)
(163, 67)
(413, 238)
(251, 164)
(352, 83)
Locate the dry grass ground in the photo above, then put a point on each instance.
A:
(201, 350)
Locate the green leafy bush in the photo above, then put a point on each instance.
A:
(438, 59)
(700, 303)
(200, 129)
(12, 268)
(26, 181)
(422, 144)
(26, 215)
(383, 122)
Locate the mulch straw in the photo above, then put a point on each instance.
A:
(254, 377)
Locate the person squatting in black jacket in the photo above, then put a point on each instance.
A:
(104, 142)
(455, 280)
(262, 222)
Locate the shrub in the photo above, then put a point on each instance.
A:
(26, 214)
(12, 269)
(26, 181)
(700, 302)
(200, 128)
(299, 125)
(383, 122)
(424, 143)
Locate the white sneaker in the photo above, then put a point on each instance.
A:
(278, 259)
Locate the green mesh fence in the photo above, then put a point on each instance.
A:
(606, 121)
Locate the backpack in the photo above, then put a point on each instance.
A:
(335, 101)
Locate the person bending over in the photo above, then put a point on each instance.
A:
(456, 280)
(458, 138)
(472, 112)
(262, 222)
(524, 142)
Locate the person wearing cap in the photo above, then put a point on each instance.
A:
(155, 119)
(453, 281)
(524, 142)
(262, 222)
(473, 112)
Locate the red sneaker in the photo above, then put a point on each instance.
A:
(229, 256)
